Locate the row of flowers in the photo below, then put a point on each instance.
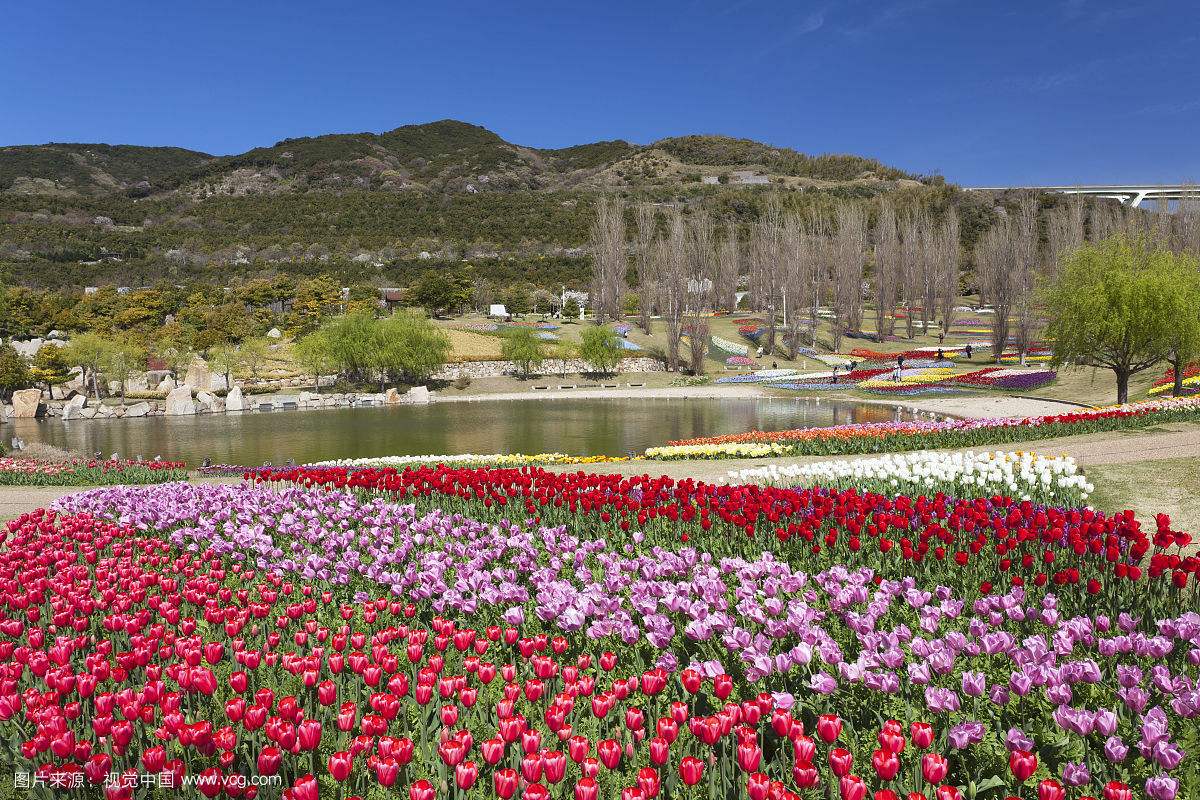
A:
(87, 472)
(881, 437)
(470, 459)
(1053, 480)
(961, 543)
(994, 676)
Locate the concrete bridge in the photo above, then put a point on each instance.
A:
(1129, 194)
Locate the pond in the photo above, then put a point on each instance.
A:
(579, 427)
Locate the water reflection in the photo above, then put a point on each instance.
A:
(610, 427)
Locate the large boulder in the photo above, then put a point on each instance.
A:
(165, 385)
(199, 376)
(79, 401)
(417, 394)
(391, 397)
(234, 400)
(71, 411)
(180, 403)
(274, 333)
(25, 403)
(137, 410)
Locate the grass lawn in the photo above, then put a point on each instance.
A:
(1170, 486)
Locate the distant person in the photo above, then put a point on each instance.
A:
(774, 365)
(835, 374)
(941, 356)
(968, 351)
(899, 366)
(759, 353)
(941, 336)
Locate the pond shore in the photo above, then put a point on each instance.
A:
(973, 406)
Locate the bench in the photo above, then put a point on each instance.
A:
(635, 385)
(265, 407)
(539, 388)
(610, 386)
(567, 386)
(288, 406)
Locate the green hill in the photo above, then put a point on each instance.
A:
(93, 168)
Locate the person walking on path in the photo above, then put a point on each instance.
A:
(899, 366)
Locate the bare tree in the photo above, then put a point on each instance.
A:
(798, 263)
(887, 270)
(849, 250)
(670, 278)
(1065, 231)
(644, 242)
(1024, 279)
(609, 258)
(700, 284)
(946, 260)
(729, 270)
(765, 278)
(994, 259)
(912, 269)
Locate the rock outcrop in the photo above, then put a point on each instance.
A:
(26, 403)
(234, 400)
(180, 403)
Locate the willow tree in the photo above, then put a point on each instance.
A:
(1113, 306)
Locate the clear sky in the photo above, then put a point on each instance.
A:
(986, 92)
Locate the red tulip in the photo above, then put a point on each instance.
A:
(648, 781)
(303, 789)
(505, 781)
(852, 787)
(1023, 764)
(609, 751)
(886, 764)
(840, 761)
(805, 776)
(587, 789)
(1050, 790)
(421, 790)
(554, 763)
(947, 792)
(465, 774)
(535, 791)
(757, 786)
(268, 761)
(531, 767)
(829, 727)
(493, 750)
(340, 765)
(1115, 790)
(934, 767)
(885, 794)
(691, 770)
(748, 756)
(921, 733)
(722, 686)
(387, 770)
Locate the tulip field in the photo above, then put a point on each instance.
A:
(90, 472)
(456, 631)
(883, 437)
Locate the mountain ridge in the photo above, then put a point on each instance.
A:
(447, 156)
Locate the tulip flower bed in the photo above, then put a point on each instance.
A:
(1024, 476)
(883, 437)
(471, 459)
(537, 637)
(1191, 381)
(80, 472)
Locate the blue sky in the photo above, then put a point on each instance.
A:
(984, 92)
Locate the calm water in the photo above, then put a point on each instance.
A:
(609, 427)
